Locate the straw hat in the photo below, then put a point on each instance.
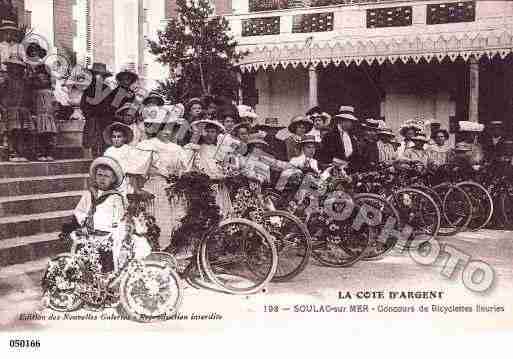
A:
(203, 123)
(418, 126)
(118, 126)
(346, 113)
(257, 138)
(101, 69)
(127, 107)
(112, 164)
(370, 123)
(297, 120)
(469, 126)
(154, 114)
(246, 111)
(153, 96)
(337, 162)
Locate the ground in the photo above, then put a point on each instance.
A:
(319, 288)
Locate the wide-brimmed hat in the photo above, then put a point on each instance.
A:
(496, 123)
(101, 69)
(125, 108)
(153, 96)
(246, 111)
(308, 139)
(297, 120)
(15, 60)
(203, 123)
(192, 101)
(418, 126)
(112, 164)
(257, 139)
(337, 162)
(463, 146)
(117, 126)
(370, 123)
(154, 114)
(132, 75)
(434, 133)
(346, 113)
(469, 126)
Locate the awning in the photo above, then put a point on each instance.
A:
(405, 49)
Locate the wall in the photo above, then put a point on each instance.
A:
(62, 23)
(282, 94)
(102, 15)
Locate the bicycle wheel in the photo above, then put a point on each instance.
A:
(378, 247)
(239, 256)
(150, 291)
(482, 204)
(506, 208)
(336, 243)
(292, 241)
(456, 209)
(61, 281)
(419, 212)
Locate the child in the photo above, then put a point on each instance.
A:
(306, 160)
(128, 114)
(46, 126)
(298, 127)
(102, 209)
(17, 116)
(117, 135)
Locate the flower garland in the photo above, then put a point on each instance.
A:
(203, 212)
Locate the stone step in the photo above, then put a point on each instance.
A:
(23, 277)
(43, 184)
(31, 224)
(68, 152)
(38, 203)
(37, 169)
(30, 248)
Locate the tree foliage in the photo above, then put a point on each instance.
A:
(199, 50)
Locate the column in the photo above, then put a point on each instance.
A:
(473, 105)
(313, 79)
(239, 89)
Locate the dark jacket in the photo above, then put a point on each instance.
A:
(490, 149)
(332, 146)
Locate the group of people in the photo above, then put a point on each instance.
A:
(27, 111)
(146, 146)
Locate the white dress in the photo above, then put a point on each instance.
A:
(164, 160)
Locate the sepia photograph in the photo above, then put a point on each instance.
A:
(187, 166)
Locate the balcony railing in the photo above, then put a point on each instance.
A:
(269, 5)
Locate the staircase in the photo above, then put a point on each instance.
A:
(35, 200)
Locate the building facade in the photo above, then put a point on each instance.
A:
(431, 60)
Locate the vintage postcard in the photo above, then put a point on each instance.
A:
(201, 166)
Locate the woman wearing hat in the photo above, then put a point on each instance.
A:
(386, 149)
(157, 160)
(14, 92)
(194, 109)
(417, 153)
(129, 115)
(306, 160)
(408, 131)
(320, 120)
(438, 153)
(492, 140)
(298, 127)
(340, 142)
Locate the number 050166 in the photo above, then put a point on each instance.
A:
(24, 343)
